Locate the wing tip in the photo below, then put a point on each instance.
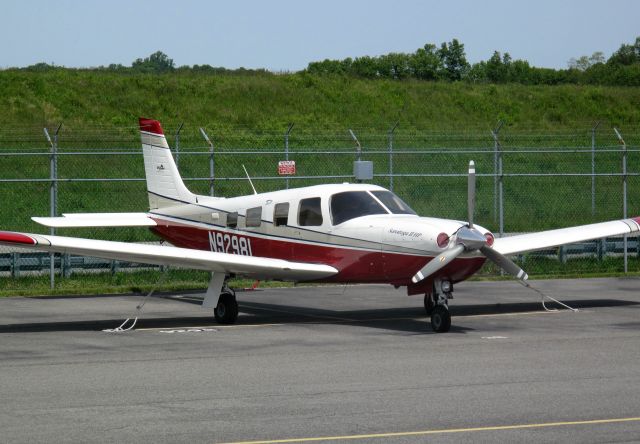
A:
(16, 238)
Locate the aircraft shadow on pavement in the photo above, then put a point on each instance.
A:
(405, 319)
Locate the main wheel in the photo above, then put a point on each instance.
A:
(428, 304)
(226, 312)
(440, 319)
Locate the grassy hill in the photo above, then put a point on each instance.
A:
(269, 102)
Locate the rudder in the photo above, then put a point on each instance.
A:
(164, 184)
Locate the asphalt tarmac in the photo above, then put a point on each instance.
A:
(354, 364)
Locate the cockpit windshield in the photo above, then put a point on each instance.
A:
(351, 204)
(393, 202)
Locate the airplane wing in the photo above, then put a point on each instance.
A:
(251, 266)
(546, 239)
(97, 220)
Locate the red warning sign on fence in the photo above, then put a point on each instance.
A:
(287, 167)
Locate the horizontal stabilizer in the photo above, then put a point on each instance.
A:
(97, 220)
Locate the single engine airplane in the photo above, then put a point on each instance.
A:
(341, 233)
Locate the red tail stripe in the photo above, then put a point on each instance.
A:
(150, 126)
(16, 238)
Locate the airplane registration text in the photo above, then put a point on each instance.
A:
(229, 243)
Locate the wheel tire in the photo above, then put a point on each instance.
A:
(440, 319)
(226, 312)
(428, 304)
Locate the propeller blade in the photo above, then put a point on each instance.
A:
(504, 262)
(437, 263)
(471, 192)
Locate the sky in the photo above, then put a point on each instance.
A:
(285, 35)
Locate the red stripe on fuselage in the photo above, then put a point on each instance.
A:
(356, 266)
(16, 238)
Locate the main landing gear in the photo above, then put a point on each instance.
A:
(226, 312)
(436, 305)
(222, 299)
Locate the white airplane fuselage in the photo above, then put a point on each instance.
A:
(378, 248)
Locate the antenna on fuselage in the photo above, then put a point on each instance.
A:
(245, 172)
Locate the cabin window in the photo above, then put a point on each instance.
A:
(351, 204)
(393, 202)
(232, 220)
(281, 214)
(309, 212)
(254, 217)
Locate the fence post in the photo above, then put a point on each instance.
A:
(53, 194)
(390, 139)
(286, 150)
(177, 143)
(15, 265)
(496, 155)
(500, 197)
(212, 165)
(624, 193)
(358, 146)
(593, 168)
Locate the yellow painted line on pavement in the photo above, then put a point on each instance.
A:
(442, 431)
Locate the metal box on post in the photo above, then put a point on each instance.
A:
(363, 169)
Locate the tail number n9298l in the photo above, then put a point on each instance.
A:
(229, 243)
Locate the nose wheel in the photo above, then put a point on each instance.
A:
(436, 305)
(440, 319)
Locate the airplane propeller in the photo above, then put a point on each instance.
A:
(468, 239)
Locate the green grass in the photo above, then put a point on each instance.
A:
(138, 282)
(269, 102)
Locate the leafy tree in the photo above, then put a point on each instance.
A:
(583, 63)
(39, 67)
(626, 55)
(394, 65)
(158, 62)
(366, 67)
(325, 67)
(497, 67)
(425, 63)
(454, 59)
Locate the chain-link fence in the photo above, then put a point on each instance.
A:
(527, 180)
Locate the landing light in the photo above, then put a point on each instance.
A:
(445, 286)
(489, 237)
(442, 240)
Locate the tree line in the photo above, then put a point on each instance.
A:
(156, 63)
(448, 62)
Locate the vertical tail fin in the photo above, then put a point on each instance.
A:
(164, 184)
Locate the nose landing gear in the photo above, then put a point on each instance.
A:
(436, 305)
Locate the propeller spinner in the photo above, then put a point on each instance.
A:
(469, 239)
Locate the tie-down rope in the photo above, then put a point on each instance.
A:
(122, 328)
(543, 296)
